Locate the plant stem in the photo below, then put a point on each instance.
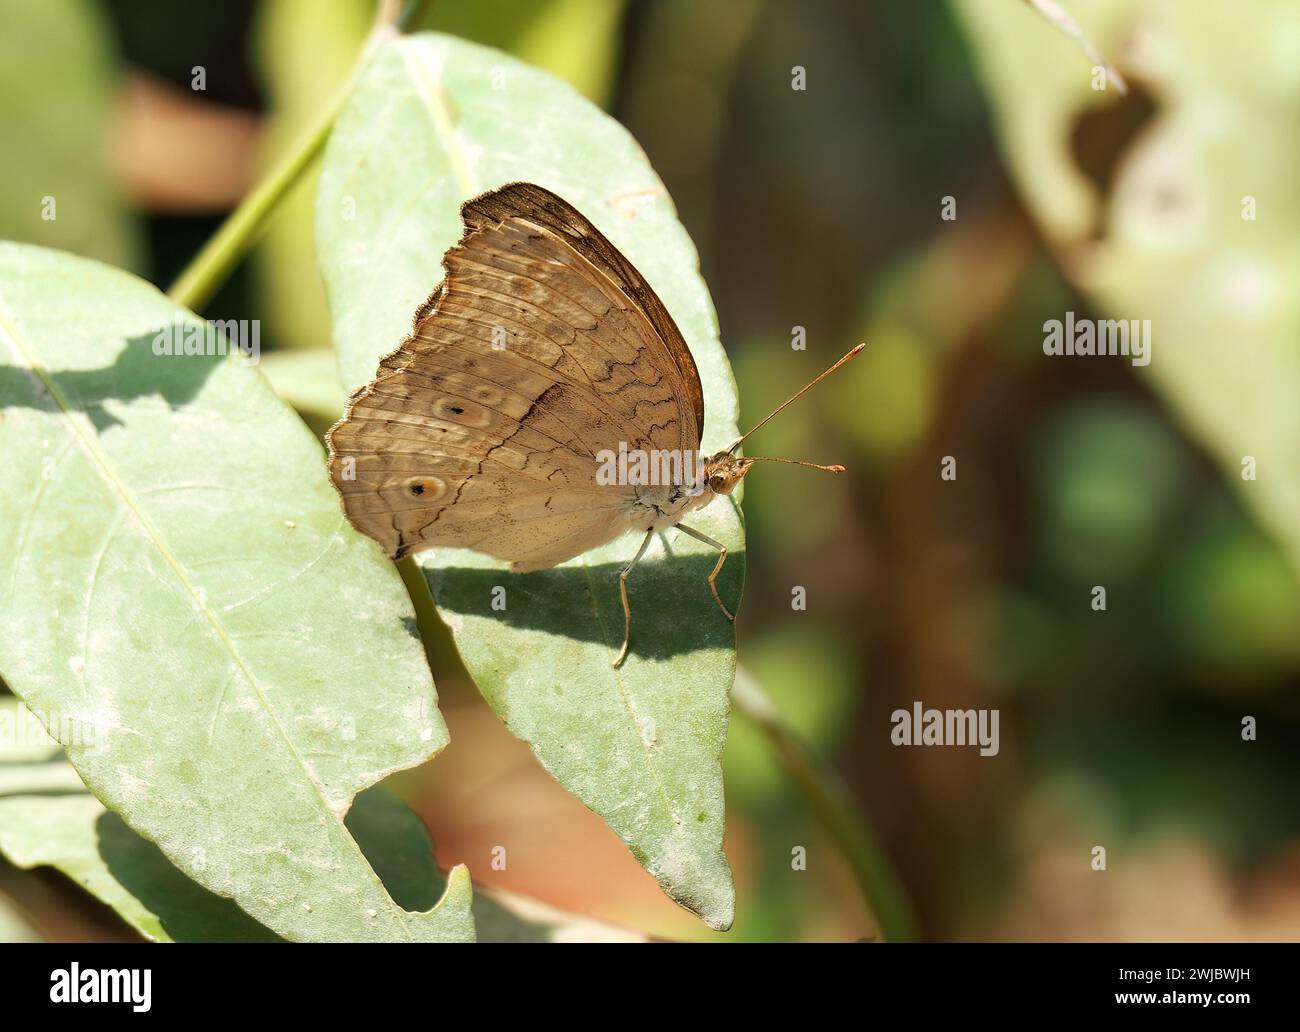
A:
(209, 268)
(832, 805)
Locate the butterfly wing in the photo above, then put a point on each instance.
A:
(542, 347)
(542, 208)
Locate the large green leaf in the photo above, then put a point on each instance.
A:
(1156, 229)
(433, 122)
(224, 661)
(76, 835)
(47, 818)
(73, 832)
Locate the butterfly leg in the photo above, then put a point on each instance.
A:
(622, 590)
(722, 558)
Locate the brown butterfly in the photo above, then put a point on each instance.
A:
(543, 354)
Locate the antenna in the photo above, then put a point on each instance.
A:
(789, 401)
(793, 462)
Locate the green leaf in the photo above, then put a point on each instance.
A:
(75, 834)
(308, 379)
(23, 738)
(1152, 227)
(433, 122)
(398, 842)
(224, 661)
(58, 83)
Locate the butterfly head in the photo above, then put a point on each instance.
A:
(723, 471)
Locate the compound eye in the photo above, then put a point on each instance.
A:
(717, 483)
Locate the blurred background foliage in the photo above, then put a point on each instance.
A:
(821, 209)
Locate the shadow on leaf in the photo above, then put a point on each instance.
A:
(136, 373)
(673, 611)
(187, 911)
(392, 838)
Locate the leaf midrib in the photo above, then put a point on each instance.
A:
(430, 91)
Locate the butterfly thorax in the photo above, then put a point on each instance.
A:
(663, 506)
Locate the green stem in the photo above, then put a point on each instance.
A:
(831, 803)
(210, 267)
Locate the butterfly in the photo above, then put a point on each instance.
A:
(542, 355)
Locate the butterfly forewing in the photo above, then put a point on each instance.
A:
(542, 348)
